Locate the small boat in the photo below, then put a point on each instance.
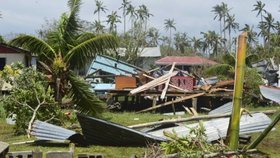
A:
(271, 93)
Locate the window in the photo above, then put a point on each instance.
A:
(2, 63)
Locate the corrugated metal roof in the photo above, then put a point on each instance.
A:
(217, 128)
(112, 65)
(101, 132)
(185, 60)
(143, 52)
(271, 93)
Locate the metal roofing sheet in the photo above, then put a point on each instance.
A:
(217, 128)
(185, 60)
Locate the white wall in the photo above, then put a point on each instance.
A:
(13, 57)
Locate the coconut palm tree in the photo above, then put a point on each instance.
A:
(268, 24)
(259, 7)
(112, 20)
(196, 44)
(212, 41)
(251, 34)
(143, 14)
(231, 25)
(181, 42)
(217, 9)
(153, 34)
(65, 50)
(169, 25)
(132, 15)
(124, 6)
(98, 27)
(100, 7)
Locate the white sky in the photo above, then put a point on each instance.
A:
(191, 16)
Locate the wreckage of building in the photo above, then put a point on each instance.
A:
(166, 88)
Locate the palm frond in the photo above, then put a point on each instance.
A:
(250, 59)
(85, 36)
(84, 52)
(219, 70)
(85, 100)
(228, 59)
(71, 26)
(34, 45)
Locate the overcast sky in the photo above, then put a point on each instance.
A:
(191, 16)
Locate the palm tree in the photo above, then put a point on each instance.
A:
(212, 41)
(231, 25)
(67, 49)
(181, 42)
(99, 28)
(132, 13)
(153, 34)
(112, 20)
(218, 11)
(124, 6)
(251, 34)
(143, 14)
(169, 25)
(266, 27)
(196, 44)
(224, 11)
(99, 8)
(259, 7)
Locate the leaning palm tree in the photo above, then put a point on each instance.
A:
(251, 34)
(259, 7)
(98, 27)
(65, 50)
(99, 8)
(124, 6)
(143, 14)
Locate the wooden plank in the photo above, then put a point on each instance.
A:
(123, 82)
(163, 93)
(153, 83)
(171, 85)
(171, 102)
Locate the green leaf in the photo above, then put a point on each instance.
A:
(85, 100)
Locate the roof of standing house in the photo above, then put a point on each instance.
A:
(185, 60)
(112, 66)
(143, 52)
(5, 48)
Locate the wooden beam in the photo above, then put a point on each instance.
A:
(163, 93)
(172, 102)
(153, 83)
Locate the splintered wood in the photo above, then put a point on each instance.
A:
(172, 102)
(154, 83)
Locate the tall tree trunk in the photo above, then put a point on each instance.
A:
(234, 124)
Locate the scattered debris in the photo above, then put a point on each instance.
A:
(226, 108)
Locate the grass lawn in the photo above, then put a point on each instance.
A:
(270, 144)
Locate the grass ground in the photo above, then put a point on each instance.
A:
(270, 144)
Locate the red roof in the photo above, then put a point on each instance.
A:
(185, 60)
(5, 48)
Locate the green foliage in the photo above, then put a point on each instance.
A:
(252, 80)
(223, 71)
(2, 111)
(29, 89)
(193, 145)
(85, 100)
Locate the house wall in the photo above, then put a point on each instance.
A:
(13, 57)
